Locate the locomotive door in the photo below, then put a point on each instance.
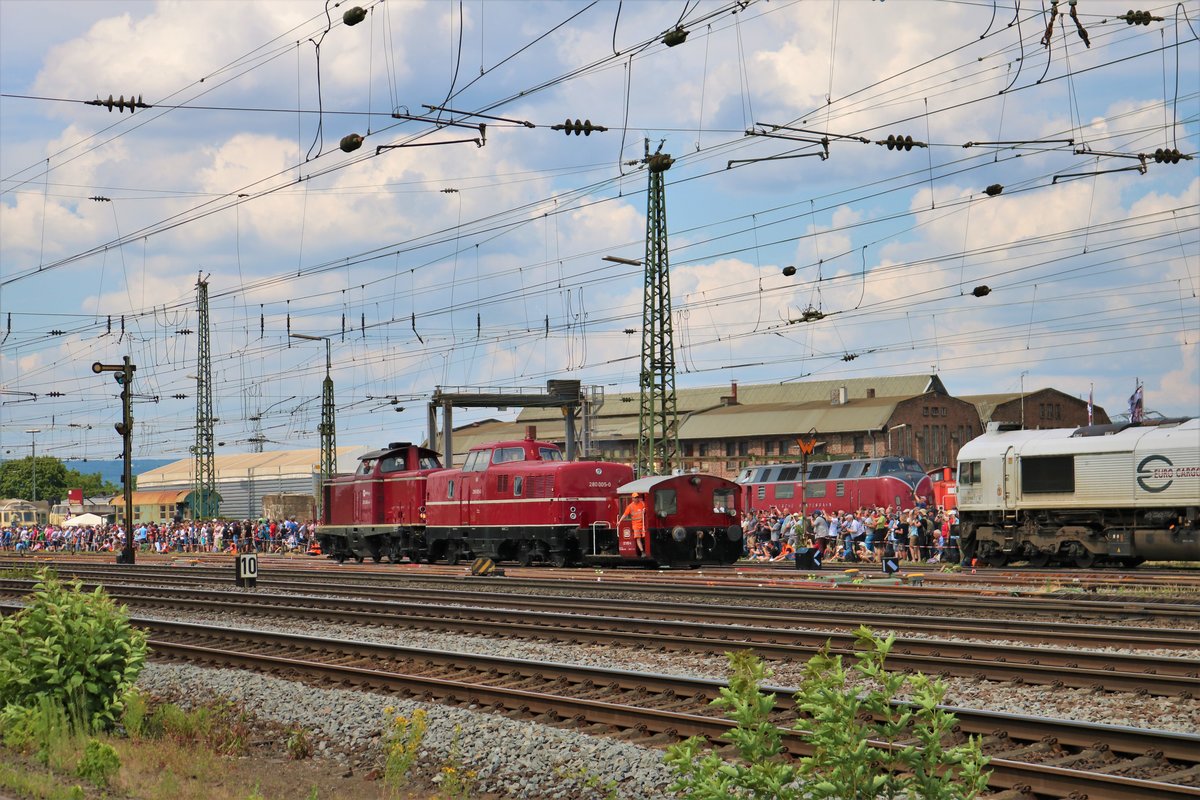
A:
(1009, 486)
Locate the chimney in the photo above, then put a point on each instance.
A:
(530, 433)
(731, 398)
(838, 396)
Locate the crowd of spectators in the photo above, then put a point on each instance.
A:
(916, 535)
(208, 536)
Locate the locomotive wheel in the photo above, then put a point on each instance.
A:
(1039, 559)
(453, 554)
(525, 554)
(340, 558)
(996, 558)
(1085, 560)
(558, 558)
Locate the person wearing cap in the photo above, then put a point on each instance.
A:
(635, 512)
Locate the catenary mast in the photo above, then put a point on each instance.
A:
(204, 480)
(658, 422)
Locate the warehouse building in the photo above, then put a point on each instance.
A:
(245, 480)
(723, 430)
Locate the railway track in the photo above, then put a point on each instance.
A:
(1030, 756)
(479, 594)
(583, 583)
(1096, 671)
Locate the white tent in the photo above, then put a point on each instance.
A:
(83, 520)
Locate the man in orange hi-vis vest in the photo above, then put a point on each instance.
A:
(635, 512)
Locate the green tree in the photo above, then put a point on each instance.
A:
(53, 480)
(16, 478)
(92, 484)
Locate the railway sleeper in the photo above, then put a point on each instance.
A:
(1151, 761)
(1036, 748)
(1021, 793)
(1092, 756)
(1185, 777)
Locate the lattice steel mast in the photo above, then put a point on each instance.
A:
(204, 481)
(658, 422)
(328, 427)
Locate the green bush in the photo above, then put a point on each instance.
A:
(99, 763)
(75, 647)
(864, 745)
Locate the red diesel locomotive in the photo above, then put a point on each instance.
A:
(521, 501)
(837, 486)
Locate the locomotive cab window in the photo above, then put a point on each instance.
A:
(365, 466)
(789, 474)
(665, 503)
(518, 485)
(722, 500)
(843, 470)
(477, 461)
(430, 462)
(1048, 474)
(969, 473)
(502, 455)
(392, 464)
(550, 454)
(450, 489)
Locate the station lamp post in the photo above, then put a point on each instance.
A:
(33, 432)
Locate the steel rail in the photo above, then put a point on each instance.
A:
(993, 601)
(1041, 779)
(1076, 669)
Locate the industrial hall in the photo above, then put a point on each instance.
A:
(723, 430)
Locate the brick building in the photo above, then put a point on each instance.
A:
(724, 429)
(1041, 408)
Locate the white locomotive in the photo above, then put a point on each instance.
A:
(1105, 493)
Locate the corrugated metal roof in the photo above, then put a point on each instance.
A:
(163, 498)
(692, 400)
(277, 463)
(785, 418)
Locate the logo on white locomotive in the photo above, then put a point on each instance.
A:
(1146, 471)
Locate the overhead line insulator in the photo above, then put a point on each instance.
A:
(893, 142)
(1169, 156)
(1132, 17)
(120, 104)
(577, 127)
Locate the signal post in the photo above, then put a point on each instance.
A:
(123, 375)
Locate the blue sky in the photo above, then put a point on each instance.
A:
(446, 263)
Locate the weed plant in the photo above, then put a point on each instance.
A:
(402, 745)
(455, 781)
(76, 648)
(865, 746)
